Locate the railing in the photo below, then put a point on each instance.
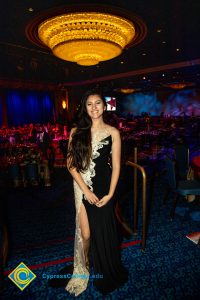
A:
(144, 204)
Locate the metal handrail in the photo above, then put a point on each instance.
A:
(144, 204)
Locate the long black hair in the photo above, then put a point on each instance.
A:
(80, 148)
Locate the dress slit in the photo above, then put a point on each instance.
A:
(82, 206)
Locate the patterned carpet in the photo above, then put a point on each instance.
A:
(41, 230)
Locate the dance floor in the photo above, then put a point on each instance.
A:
(41, 230)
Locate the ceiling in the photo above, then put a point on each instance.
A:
(172, 38)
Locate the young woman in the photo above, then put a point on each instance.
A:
(94, 163)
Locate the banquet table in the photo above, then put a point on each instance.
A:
(195, 163)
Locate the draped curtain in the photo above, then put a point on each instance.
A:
(24, 107)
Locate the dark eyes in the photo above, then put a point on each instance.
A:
(99, 102)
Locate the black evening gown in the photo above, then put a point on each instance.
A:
(104, 240)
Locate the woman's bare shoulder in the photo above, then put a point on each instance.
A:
(73, 129)
(113, 130)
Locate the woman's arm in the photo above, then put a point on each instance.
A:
(89, 195)
(116, 163)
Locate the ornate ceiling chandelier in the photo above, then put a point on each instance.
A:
(127, 90)
(179, 85)
(86, 38)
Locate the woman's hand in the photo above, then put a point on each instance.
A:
(103, 201)
(91, 197)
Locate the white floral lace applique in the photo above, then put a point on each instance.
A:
(79, 281)
(98, 141)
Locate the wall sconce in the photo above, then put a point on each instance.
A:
(64, 104)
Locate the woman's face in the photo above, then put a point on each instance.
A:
(95, 106)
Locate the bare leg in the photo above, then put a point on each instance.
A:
(85, 231)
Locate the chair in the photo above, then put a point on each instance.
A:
(182, 161)
(4, 240)
(180, 187)
(14, 174)
(32, 173)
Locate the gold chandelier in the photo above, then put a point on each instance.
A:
(127, 90)
(179, 85)
(86, 38)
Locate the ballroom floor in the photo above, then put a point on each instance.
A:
(41, 230)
